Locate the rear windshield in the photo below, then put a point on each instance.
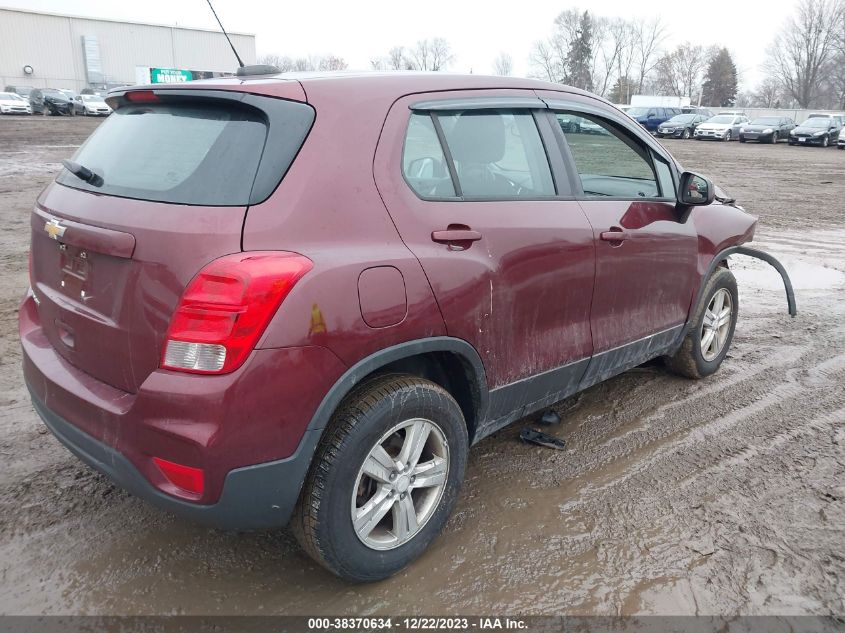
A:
(200, 154)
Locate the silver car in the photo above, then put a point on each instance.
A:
(722, 127)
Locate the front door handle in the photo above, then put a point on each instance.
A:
(615, 234)
(458, 237)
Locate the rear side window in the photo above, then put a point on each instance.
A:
(423, 162)
(186, 153)
(496, 154)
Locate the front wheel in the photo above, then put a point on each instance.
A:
(825, 141)
(686, 134)
(775, 138)
(727, 136)
(712, 329)
(384, 479)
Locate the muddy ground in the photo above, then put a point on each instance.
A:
(721, 496)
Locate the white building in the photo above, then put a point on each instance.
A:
(46, 50)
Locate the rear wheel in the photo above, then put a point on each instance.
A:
(384, 479)
(707, 343)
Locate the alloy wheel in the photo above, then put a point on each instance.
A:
(728, 135)
(400, 484)
(717, 324)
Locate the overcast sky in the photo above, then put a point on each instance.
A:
(477, 29)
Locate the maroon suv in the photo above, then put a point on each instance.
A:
(300, 299)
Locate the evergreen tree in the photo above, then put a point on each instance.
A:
(579, 60)
(720, 81)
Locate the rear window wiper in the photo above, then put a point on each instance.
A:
(83, 173)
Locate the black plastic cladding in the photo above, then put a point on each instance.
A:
(288, 125)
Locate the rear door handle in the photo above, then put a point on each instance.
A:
(615, 234)
(450, 236)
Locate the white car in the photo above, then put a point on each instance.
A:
(12, 103)
(91, 105)
(722, 127)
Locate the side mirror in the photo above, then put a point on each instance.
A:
(695, 190)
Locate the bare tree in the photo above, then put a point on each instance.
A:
(429, 54)
(648, 38)
(396, 58)
(769, 93)
(503, 65)
(283, 63)
(680, 71)
(441, 54)
(331, 62)
(802, 53)
(546, 64)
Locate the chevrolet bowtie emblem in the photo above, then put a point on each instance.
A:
(54, 229)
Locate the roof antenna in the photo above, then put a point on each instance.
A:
(240, 62)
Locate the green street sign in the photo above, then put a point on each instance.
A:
(169, 75)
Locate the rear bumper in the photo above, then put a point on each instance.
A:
(245, 430)
(254, 497)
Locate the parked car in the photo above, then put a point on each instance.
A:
(838, 118)
(651, 118)
(247, 334)
(767, 129)
(722, 127)
(20, 90)
(680, 125)
(91, 105)
(50, 101)
(13, 103)
(821, 131)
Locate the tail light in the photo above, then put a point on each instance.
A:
(142, 96)
(181, 476)
(226, 308)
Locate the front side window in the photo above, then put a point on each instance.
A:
(609, 162)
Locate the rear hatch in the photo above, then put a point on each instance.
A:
(173, 173)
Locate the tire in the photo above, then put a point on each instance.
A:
(690, 360)
(728, 136)
(840, 146)
(775, 138)
(686, 134)
(337, 488)
(825, 141)
(741, 139)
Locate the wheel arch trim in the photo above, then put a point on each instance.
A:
(382, 358)
(722, 256)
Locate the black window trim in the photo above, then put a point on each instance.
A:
(650, 146)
